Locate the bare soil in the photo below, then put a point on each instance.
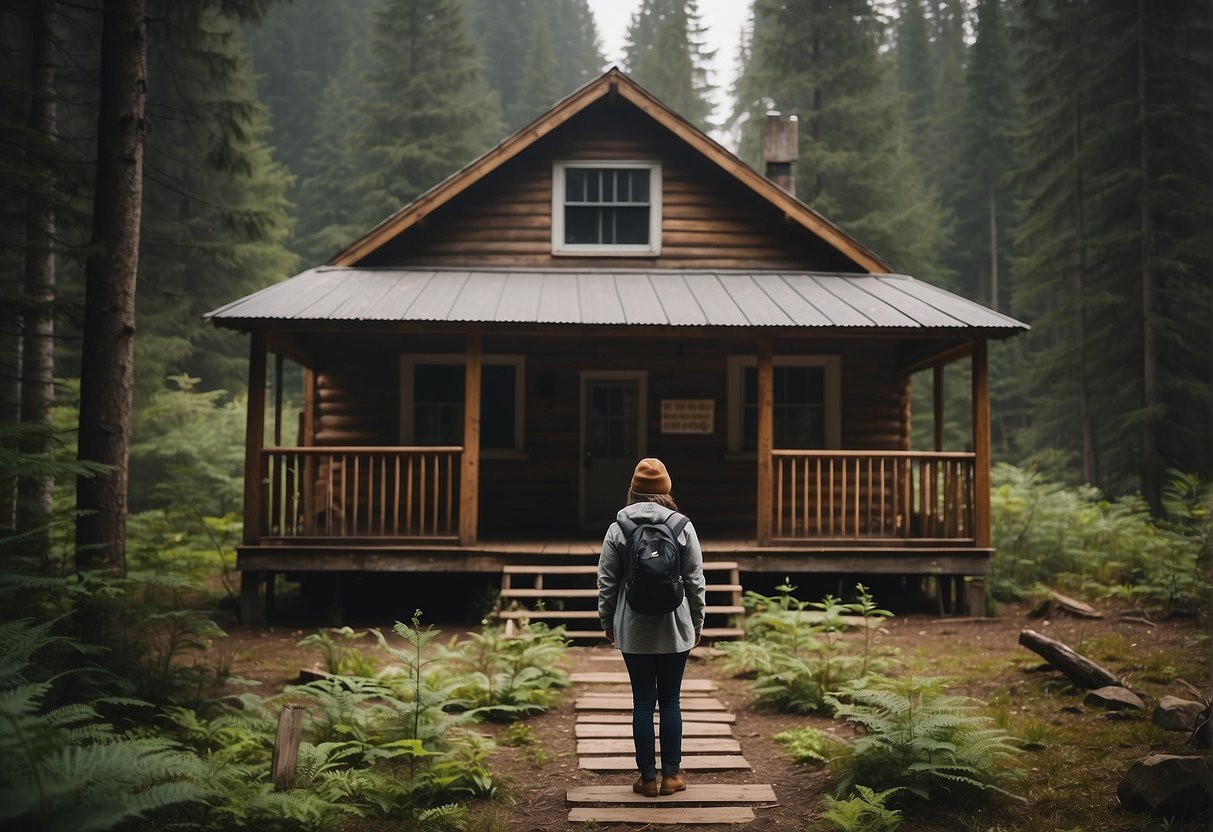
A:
(1072, 778)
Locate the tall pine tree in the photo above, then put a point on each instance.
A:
(820, 60)
(426, 110)
(1117, 158)
(666, 52)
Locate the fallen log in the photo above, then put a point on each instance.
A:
(1078, 669)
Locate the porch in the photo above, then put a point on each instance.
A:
(414, 498)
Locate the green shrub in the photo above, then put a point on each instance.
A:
(919, 738)
(1073, 538)
(864, 811)
(796, 650)
(507, 678)
(808, 746)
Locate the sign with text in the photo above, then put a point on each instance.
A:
(688, 415)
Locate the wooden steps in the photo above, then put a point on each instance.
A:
(604, 744)
(568, 595)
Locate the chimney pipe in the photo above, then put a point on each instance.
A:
(780, 150)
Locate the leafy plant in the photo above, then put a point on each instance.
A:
(64, 767)
(340, 656)
(1045, 533)
(920, 738)
(864, 811)
(507, 678)
(796, 649)
(808, 746)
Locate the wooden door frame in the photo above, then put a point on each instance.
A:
(641, 377)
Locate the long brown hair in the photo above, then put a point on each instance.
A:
(665, 500)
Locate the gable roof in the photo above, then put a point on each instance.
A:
(612, 82)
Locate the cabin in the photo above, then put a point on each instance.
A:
(606, 284)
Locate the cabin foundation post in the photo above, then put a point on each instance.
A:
(981, 448)
(469, 474)
(766, 437)
(254, 440)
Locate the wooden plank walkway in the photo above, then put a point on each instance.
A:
(604, 744)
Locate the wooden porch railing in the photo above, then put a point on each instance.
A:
(872, 496)
(364, 492)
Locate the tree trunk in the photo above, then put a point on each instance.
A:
(1078, 669)
(106, 371)
(992, 213)
(35, 494)
(1150, 486)
(1090, 458)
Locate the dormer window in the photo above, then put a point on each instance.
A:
(606, 208)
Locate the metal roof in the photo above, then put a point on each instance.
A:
(613, 297)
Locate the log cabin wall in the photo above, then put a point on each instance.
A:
(709, 220)
(358, 403)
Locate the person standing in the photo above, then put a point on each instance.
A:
(655, 647)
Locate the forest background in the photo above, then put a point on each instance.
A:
(158, 158)
(1053, 160)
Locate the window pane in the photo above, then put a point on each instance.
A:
(799, 417)
(497, 406)
(639, 185)
(438, 404)
(593, 191)
(581, 225)
(574, 185)
(631, 226)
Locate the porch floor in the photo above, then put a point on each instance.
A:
(489, 556)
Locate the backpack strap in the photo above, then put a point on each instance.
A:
(676, 523)
(628, 526)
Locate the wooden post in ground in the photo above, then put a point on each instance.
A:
(469, 475)
(254, 442)
(286, 746)
(766, 437)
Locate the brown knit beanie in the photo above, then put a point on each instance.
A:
(651, 477)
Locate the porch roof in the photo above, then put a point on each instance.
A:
(613, 297)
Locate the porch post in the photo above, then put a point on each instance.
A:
(469, 476)
(251, 582)
(254, 437)
(981, 444)
(937, 392)
(766, 437)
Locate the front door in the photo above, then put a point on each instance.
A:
(612, 442)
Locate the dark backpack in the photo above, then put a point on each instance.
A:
(653, 585)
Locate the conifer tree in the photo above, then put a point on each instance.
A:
(820, 61)
(1117, 169)
(296, 51)
(426, 110)
(541, 87)
(990, 119)
(666, 53)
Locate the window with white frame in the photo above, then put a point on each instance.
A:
(807, 402)
(431, 401)
(606, 208)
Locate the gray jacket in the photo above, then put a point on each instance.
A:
(673, 632)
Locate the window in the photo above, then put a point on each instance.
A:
(606, 208)
(431, 401)
(806, 411)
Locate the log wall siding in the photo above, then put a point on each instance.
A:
(708, 219)
(358, 390)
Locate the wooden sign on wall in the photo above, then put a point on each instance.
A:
(688, 415)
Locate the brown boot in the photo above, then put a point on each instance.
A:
(648, 788)
(671, 783)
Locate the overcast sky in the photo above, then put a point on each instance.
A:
(723, 19)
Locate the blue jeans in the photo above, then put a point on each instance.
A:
(656, 679)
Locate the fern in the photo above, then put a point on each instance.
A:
(66, 768)
(918, 737)
(864, 811)
(808, 746)
(796, 650)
